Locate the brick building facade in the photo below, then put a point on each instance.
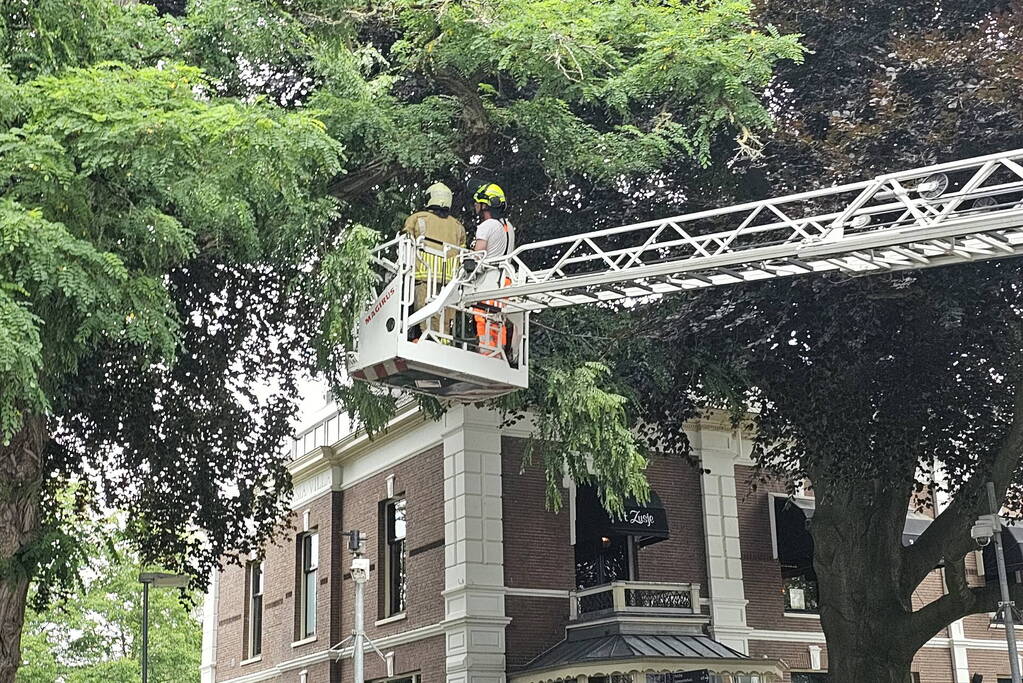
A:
(477, 582)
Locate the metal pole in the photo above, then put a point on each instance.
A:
(1005, 606)
(145, 632)
(357, 656)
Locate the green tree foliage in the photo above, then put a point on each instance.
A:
(97, 634)
(179, 201)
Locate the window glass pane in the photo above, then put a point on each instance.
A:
(256, 569)
(314, 551)
(396, 520)
(255, 634)
(396, 578)
(801, 592)
(309, 607)
(257, 627)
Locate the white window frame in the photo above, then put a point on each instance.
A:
(254, 638)
(309, 564)
(387, 565)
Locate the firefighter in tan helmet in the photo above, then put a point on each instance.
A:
(442, 235)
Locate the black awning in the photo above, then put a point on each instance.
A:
(915, 526)
(647, 521)
(795, 545)
(1012, 548)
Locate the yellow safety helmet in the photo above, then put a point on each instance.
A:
(438, 195)
(490, 195)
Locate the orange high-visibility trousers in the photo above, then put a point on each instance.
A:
(493, 334)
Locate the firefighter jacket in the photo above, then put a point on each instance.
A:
(437, 232)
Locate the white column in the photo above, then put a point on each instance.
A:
(473, 547)
(719, 450)
(210, 614)
(957, 635)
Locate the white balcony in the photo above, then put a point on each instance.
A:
(635, 598)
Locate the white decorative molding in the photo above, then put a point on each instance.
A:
(306, 490)
(403, 638)
(538, 592)
(815, 656)
(769, 635)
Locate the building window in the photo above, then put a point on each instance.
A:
(395, 574)
(407, 678)
(798, 677)
(795, 554)
(254, 585)
(800, 589)
(309, 553)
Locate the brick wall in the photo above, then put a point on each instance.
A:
(537, 542)
(934, 665)
(279, 602)
(683, 557)
(992, 664)
(421, 481)
(537, 625)
(537, 554)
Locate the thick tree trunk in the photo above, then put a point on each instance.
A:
(20, 480)
(857, 667)
(864, 613)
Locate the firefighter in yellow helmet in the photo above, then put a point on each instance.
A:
(441, 234)
(495, 235)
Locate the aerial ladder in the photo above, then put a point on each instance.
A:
(945, 214)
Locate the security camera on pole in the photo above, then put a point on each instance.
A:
(986, 529)
(360, 575)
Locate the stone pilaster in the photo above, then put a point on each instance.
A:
(473, 548)
(719, 450)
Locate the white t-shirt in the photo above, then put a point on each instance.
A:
(499, 241)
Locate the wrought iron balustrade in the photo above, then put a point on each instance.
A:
(635, 598)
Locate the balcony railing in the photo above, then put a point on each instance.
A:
(635, 598)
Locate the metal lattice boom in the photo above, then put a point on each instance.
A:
(963, 211)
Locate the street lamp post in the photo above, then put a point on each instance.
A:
(1006, 605)
(158, 579)
(359, 639)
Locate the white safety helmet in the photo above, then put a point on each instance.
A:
(439, 195)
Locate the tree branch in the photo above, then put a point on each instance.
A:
(474, 114)
(948, 537)
(362, 179)
(928, 621)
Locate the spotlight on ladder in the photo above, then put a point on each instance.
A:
(933, 186)
(984, 204)
(860, 221)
